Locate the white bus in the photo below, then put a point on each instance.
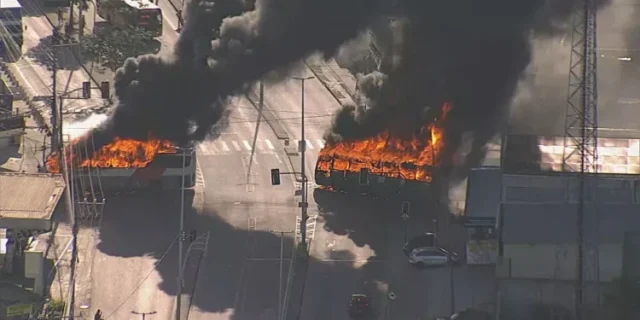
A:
(127, 13)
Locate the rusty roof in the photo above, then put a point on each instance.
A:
(29, 195)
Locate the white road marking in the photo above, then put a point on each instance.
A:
(213, 146)
(225, 147)
(278, 158)
(269, 144)
(320, 143)
(205, 150)
(199, 175)
(309, 145)
(236, 146)
(246, 145)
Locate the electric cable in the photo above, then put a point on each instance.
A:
(144, 279)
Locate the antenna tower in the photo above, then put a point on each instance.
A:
(581, 127)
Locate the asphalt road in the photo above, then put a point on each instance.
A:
(240, 276)
(356, 246)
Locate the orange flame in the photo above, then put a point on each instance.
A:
(120, 153)
(388, 156)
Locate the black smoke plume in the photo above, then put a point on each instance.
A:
(220, 51)
(467, 52)
(470, 53)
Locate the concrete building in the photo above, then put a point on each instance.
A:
(538, 231)
(27, 204)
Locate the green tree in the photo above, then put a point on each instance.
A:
(112, 48)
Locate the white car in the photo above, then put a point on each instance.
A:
(431, 256)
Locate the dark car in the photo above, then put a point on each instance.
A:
(359, 306)
(427, 239)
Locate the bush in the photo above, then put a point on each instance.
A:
(56, 306)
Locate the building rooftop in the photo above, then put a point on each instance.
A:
(483, 192)
(10, 4)
(28, 200)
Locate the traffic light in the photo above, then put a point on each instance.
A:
(86, 90)
(192, 235)
(405, 207)
(183, 236)
(364, 176)
(104, 89)
(275, 177)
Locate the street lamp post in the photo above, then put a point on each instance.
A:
(303, 148)
(181, 240)
(144, 314)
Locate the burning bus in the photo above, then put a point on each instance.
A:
(383, 163)
(127, 164)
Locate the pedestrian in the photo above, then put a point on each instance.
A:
(180, 20)
(98, 315)
(82, 23)
(60, 16)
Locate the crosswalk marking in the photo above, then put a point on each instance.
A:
(213, 147)
(225, 147)
(269, 144)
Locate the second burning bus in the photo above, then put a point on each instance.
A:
(126, 13)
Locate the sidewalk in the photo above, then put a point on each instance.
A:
(58, 249)
(340, 83)
(33, 73)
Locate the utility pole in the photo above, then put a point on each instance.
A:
(144, 314)
(54, 103)
(181, 235)
(581, 128)
(255, 135)
(302, 148)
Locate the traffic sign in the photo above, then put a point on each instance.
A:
(405, 217)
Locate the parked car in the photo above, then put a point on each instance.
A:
(359, 306)
(426, 239)
(432, 256)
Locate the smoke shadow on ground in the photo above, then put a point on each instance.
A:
(241, 271)
(46, 51)
(372, 222)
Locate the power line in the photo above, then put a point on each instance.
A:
(144, 279)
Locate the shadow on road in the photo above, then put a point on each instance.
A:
(368, 221)
(241, 270)
(45, 52)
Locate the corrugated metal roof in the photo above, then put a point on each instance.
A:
(483, 192)
(29, 196)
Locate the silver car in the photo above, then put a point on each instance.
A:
(430, 256)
